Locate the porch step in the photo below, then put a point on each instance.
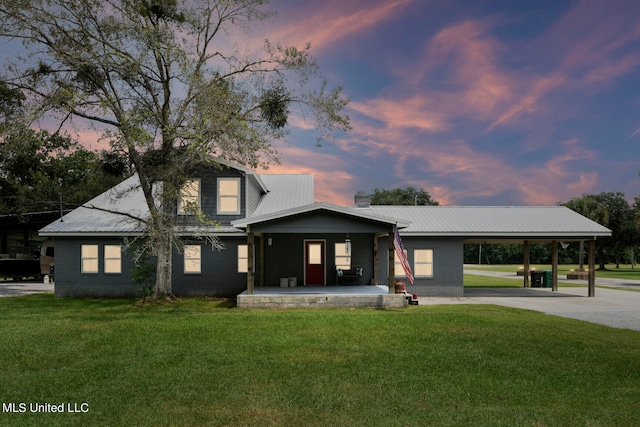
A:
(321, 301)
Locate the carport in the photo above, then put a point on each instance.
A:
(527, 242)
(445, 229)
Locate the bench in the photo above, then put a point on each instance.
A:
(353, 272)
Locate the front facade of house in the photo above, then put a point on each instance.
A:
(272, 230)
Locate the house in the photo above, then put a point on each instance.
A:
(273, 231)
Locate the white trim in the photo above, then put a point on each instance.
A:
(192, 259)
(238, 197)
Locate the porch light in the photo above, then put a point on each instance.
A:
(269, 241)
(347, 246)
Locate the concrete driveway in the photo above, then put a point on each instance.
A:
(617, 308)
(14, 289)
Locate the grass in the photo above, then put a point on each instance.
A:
(201, 362)
(611, 272)
(475, 281)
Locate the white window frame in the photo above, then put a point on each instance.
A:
(398, 268)
(226, 197)
(342, 259)
(419, 263)
(89, 259)
(192, 259)
(243, 258)
(187, 196)
(112, 259)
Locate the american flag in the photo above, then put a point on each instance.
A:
(397, 244)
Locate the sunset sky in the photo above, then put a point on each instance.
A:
(492, 102)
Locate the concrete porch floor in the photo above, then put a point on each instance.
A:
(321, 297)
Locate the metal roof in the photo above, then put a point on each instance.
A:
(494, 222)
(107, 213)
(357, 213)
(111, 212)
(287, 195)
(285, 192)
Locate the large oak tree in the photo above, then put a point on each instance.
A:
(168, 85)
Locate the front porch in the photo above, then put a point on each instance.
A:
(377, 296)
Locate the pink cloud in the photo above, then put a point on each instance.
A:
(331, 177)
(332, 21)
(414, 112)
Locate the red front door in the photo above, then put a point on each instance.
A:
(314, 262)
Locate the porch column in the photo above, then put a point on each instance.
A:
(554, 266)
(392, 263)
(375, 259)
(592, 268)
(250, 263)
(261, 260)
(527, 251)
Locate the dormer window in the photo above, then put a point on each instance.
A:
(229, 196)
(189, 199)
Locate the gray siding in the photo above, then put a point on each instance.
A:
(219, 271)
(254, 192)
(448, 274)
(219, 276)
(71, 282)
(209, 197)
(320, 222)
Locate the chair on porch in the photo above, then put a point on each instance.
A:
(353, 272)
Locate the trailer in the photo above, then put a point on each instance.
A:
(23, 266)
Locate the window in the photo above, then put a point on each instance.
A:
(343, 259)
(192, 259)
(228, 195)
(314, 254)
(399, 269)
(243, 259)
(423, 262)
(189, 200)
(112, 259)
(89, 258)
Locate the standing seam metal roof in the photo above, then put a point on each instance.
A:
(493, 220)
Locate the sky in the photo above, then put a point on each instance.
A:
(493, 102)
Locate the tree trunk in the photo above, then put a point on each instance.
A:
(601, 258)
(164, 246)
(163, 286)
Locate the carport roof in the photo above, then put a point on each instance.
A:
(496, 223)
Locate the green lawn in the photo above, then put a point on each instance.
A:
(475, 281)
(202, 362)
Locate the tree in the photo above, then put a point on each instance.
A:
(402, 196)
(39, 168)
(611, 210)
(167, 83)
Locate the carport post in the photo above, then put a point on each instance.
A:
(526, 263)
(592, 268)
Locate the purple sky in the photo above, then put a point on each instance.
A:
(493, 102)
